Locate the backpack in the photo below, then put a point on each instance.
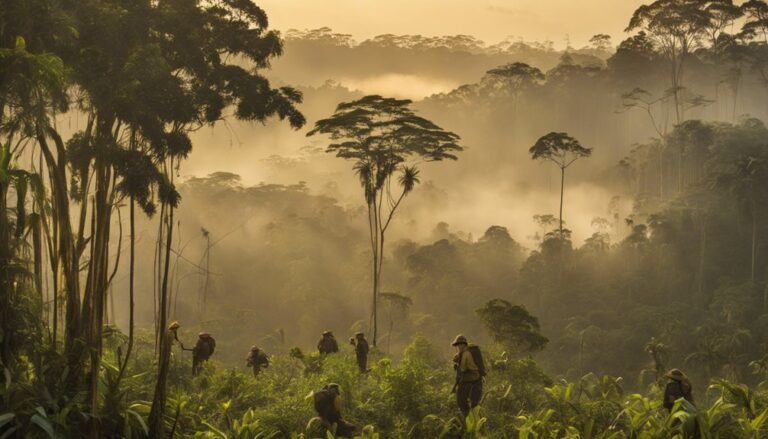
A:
(477, 356)
(323, 401)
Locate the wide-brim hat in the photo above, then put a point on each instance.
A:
(254, 348)
(359, 334)
(327, 333)
(460, 339)
(174, 325)
(676, 374)
(203, 334)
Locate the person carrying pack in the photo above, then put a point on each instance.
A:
(202, 351)
(328, 407)
(361, 351)
(257, 360)
(470, 372)
(678, 387)
(327, 344)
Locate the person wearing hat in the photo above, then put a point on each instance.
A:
(202, 351)
(257, 360)
(678, 387)
(469, 382)
(327, 344)
(328, 403)
(361, 351)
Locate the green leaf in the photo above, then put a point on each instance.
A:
(44, 424)
(6, 418)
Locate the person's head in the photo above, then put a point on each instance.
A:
(204, 335)
(676, 375)
(333, 387)
(327, 334)
(174, 325)
(460, 343)
(254, 348)
(359, 335)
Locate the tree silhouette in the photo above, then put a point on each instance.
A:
(562, 150)
(677, 27)
(384, 138)
(512, 326)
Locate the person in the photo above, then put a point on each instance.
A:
(202, 351)
(678, 387)
(361, 351)
(257, 360)
(328, 407)
(469, 379)
(327, 344)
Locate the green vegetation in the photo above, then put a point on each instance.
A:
(408, 398)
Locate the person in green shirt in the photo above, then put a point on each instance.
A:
(469, 380)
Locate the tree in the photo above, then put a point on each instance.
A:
(601, 42)
(512, 326)
(562, 150)
(746, 178)
(517, 76)
(676, 27)
(756, 23)
(396, 304)
(384, 137)
(30, 85)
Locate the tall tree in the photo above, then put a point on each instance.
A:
(562, 150)
(384, 138)
(677, 28)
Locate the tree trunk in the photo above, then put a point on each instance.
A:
(376, 257)
(754, 243)
(702, 256)
(131, 303)
(157, 413)
(6, 308)
(37, 246)
(562, 191)
(67, 259)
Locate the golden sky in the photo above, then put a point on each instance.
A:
(489, 20)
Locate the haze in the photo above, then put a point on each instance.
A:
(489, 20)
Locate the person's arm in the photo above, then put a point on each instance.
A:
(669, 397)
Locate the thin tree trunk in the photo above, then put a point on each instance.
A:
(754, 243)
(207, 274)
(37, 245)
(157, 413)
(702, 256)
(376, 257)
(131, 303)
(562, 192)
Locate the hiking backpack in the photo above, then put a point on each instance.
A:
(323, 401)
(477, 356)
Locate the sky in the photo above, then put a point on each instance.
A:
(489, 20)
